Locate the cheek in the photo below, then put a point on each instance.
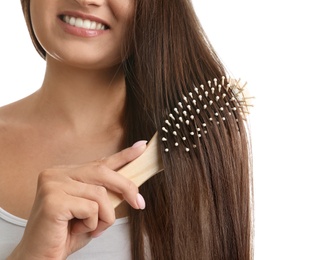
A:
(123, 10)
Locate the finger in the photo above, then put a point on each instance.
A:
(116, 161)
(50, 183)
(61, 207)
(77, 202)
(87, 212)
(97, 194)
(101, 175)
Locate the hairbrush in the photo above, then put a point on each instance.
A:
(213, 103)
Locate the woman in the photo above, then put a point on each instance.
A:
(114, 71)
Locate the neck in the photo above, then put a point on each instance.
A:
(82, 100)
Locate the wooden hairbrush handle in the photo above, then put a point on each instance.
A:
(141, 169)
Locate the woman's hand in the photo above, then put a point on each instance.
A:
(72, 206)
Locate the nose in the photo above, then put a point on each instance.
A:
(90, 2)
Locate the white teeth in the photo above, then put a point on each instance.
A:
(87, 24)
(93, 25)
(80, 23)
(72, 21)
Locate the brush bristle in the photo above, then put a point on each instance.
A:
(212, 104)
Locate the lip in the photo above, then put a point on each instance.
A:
(82, 32)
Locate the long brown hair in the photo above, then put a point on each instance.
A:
(200, 207)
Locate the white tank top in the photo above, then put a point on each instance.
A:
(114, 243)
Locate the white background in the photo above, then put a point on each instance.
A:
(285, 50)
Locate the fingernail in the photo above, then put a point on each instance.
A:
(140, 143)
(140, 201)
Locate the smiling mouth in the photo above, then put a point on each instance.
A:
(83, 23)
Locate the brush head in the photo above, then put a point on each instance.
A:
(203, 108)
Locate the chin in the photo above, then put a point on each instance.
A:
(84, 61)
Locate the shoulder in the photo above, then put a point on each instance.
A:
(8, 138)
(4, 120)
(6, 128)
(7, 116)
(11, 123)
(14, 136)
